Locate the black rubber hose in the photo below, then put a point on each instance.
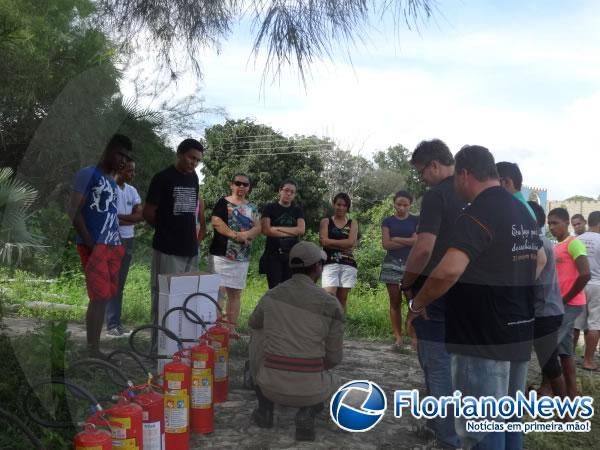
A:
(152, 356)
(77, 391)
(195, 295)
(24, 428)
(132, 355)
(196, 319)
(110, 368)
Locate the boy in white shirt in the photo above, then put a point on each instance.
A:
(129, 212)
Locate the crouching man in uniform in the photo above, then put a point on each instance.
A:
(297, 336)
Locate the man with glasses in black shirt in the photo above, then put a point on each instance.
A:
(439, 209)
(488, 274)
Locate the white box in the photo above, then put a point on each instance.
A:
(173, 290)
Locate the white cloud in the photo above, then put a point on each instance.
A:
(369, 107)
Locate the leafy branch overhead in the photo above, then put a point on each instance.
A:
(292, 32)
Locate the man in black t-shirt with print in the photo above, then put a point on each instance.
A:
(439, 209)
(176, 212)
(488, 273)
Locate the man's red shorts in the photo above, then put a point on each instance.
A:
(101, 267)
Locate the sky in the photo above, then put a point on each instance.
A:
(519, 77)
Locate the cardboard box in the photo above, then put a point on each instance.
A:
(173, 290)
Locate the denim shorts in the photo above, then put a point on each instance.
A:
(565, 332)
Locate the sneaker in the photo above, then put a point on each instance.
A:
(114, 333)
(123, 330)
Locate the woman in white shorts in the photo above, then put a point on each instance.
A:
(338, 235)
(236, 223)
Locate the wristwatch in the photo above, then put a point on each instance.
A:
(411, 309)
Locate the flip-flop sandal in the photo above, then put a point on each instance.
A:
(590, 369)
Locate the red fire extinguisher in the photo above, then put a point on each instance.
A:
(202, 412)
(176, 384)
(219, 337)
(92, 438)
(130, 433)
(153, 425)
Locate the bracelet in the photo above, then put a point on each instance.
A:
(410, 307)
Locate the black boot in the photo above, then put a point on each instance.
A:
(263, 415)
(263, 418)
(248, 383)
(305, 424)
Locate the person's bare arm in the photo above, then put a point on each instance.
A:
(255, 230)
(75, 204)
(418, 258)
(134, 217)
(201, 231)
(405, 241)
(149, 213)
(540, 262)
(583, 268)
(339, 244)
(443, 277)
(279, 231)
(221, 227)
(387, 242)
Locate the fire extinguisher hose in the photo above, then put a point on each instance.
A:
(132, 355)
(121, 380)
(77, 391)
(152, 355)
(186, 310)
(37, 444)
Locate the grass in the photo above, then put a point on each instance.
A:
(367, 308)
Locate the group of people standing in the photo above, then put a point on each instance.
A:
(105, 207)
(482, 280)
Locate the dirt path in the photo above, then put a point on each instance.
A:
(363, 360)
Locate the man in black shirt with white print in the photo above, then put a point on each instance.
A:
(488, 272)
(176, 212)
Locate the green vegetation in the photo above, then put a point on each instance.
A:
(367, 312)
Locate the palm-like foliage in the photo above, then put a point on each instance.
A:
(16, 198)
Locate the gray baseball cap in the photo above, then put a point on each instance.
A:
(305, 254)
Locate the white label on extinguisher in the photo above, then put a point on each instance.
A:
(201, 389)
(174, 385)
(119, 433)
(152, 436)
(176, 411)
(199, 364)
(220, 364)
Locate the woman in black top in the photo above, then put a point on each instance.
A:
(282, 223)
(338, 236)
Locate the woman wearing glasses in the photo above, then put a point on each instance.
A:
(338, 235)
(236, 224)
(282, 222)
